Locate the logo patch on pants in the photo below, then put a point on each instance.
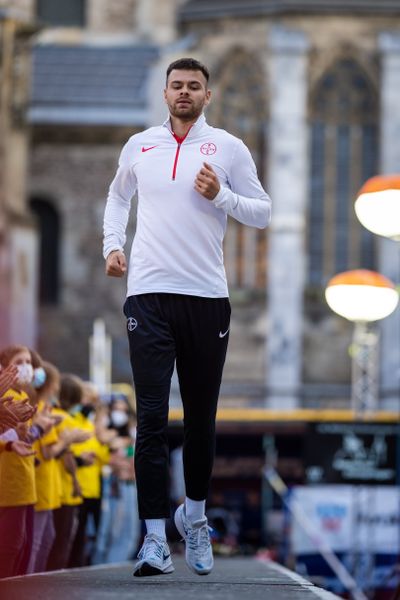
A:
(132, 324)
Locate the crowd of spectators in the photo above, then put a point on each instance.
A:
(67, 481)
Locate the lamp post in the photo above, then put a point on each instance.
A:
(363, 297)
(378, 205)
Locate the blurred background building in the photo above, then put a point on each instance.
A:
(310, 86)
(18, 233)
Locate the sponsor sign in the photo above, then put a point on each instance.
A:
(352, 453)
(348, 518)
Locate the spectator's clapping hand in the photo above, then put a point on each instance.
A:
(87, 458)
(22, 430)
(106, 436)
(57, 419)
(22, 448)
(118, 443)
(7, 419)
(8, 377)
(23, 411)
(44, 420)
(75, 436)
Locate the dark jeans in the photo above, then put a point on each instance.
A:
(193, 331)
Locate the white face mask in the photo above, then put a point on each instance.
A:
(119, 418)
(25, 373)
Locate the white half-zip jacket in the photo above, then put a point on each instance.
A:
(177, 246)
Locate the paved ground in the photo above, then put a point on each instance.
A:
(231, 579)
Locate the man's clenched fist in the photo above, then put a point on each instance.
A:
(206, 182)
(116, 264)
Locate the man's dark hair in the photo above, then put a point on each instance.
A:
(188, 64)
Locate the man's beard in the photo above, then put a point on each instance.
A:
(188, 113)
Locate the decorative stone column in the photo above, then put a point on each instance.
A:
(389, 251)
(288, 187)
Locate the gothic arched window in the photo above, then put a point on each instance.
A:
(344, 153)
(49, 237)
(240, 108)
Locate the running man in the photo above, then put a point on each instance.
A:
(189, 177)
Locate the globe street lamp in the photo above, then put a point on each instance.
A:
(378, 205)
(363, 297)
(378, 209)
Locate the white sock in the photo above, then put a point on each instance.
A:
(195, 509)
(157, 527)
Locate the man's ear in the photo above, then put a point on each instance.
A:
(208, 97)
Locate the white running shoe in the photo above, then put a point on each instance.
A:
(199, 554)
(154, 557)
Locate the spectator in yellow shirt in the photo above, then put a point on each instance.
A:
(47, 474)
(91, 456)
(11, 413)
(66, 516)
(17, 481)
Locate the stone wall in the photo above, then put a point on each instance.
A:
(144, 19)
(111, 17)
(21, 9)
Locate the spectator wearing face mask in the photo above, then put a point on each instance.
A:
(90, 456)
(34, 378)
(120, 417)
(120, 526)
(66, 516)
(47, 474)
(12, 413)
(17, 479)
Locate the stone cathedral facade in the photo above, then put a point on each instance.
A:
(312, 87)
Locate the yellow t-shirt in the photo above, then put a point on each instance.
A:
(66, 479)
(17, 473)
(89, 477)
(47, 473)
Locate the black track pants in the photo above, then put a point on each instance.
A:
(193, 331)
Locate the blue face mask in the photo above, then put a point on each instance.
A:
(39, 377)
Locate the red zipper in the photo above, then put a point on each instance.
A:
(179, 141)
(176, 161)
